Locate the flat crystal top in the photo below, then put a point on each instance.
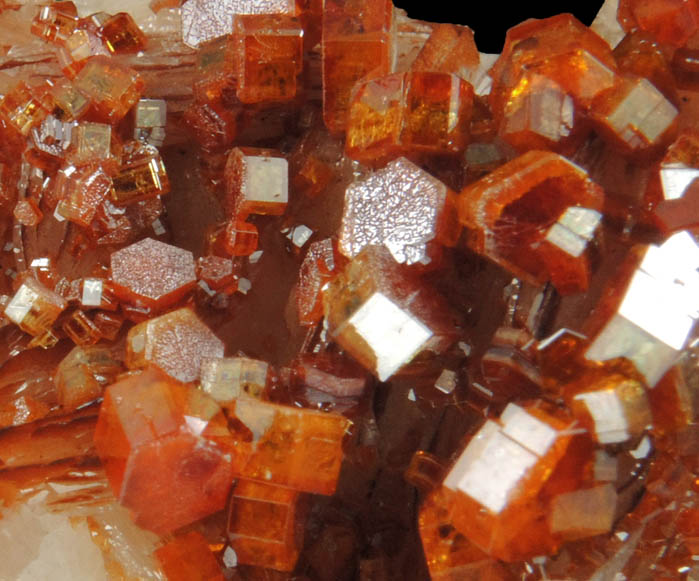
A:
(398, 206)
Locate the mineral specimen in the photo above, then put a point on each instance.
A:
(316, 291)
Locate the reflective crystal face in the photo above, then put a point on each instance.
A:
(152, 273)
(400, 206)
(204, 20)
(658, 310)
(175, 343)
(161, 440)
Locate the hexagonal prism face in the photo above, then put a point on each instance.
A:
(499, 477)
(291, 447)
(175, 343)
(257, 182)
(159, 441)
(152, 274)
(382, 315)
(402, 208)
(535, 217)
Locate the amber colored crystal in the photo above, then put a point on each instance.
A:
(330, 374)
(23, 107)
(504, 515)
(416, 112)
(175, 343)
(212, 125)
(257, 182)
(160, 440)
(34, 308)
(111, 87)
(81, 191)
(240, 238)
(188, 558)
(121, 34)
(82, 374)
(70, 104)
(55, 22)
(535, 216)
(635, 116)
(142, 175)
(109, 324)
(425, 472)
(355, 44)
(267, 55)
(610, 402)
(449, 554)
(382, 316)
(90, 142)
(27, 212)
(639, 55)
(670, 200)
(450, 48)
(560, 48)
(286, 446)
(80, 328)
(265, 525)
(218, 273)
(227, 378)
(671, 22)
(539, 114)
(152, 274)
(322, 261)
(685, 66)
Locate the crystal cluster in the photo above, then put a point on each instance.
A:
(315, 291)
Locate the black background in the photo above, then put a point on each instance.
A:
(490, 20)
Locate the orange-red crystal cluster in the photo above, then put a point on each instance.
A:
(361, 304)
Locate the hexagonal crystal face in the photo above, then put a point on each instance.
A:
(499, 457)
(658, 311)
(152, 274)
(642, 116)
(393, 335)
(176, 343)
(204, 20)
(399, 206)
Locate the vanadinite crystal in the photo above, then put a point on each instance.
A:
(310, 290)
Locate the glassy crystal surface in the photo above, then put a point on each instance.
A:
(160, 440)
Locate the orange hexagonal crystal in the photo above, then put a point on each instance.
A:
(355, 43)
(292, 447)
(257, 182)
(165, 448)
(152, 274)
(265, 525)
(672, 22)
(188, 558)
(495, 490)
(560, 48)
(268, 56)
(417, 112)
(535, 216)
(111, 87)
(175, 343)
